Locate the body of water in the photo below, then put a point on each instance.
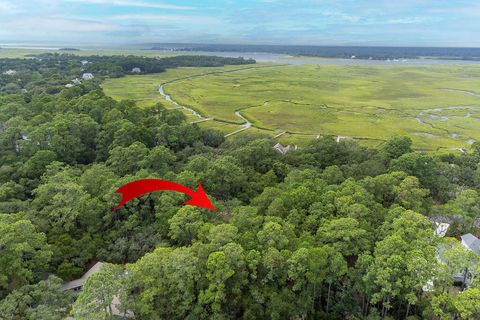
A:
(299, 60)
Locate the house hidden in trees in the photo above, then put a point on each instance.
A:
(469, 241)
(441, 229)
(10, 72)
(87, 76)
(77, 284)
(136, 70)
(283, 150)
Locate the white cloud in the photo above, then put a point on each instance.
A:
(165, 17)
(407, 20)
(7, 6)
(56, 25)
(341, 16)
(132, 3)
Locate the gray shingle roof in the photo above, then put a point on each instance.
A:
(471, 242)
(77, 283)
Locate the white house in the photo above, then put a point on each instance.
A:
(84, 62)
(10, 72)
(87, 76)
(136, 70)
(69, 85)
(283, 150)
(76, 81)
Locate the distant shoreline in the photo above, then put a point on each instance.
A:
(292, 59)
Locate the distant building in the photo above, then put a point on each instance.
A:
(84, 62)
(136, 70)
(10, 72)
(87, 76)
(283, 150)
(76, 81)
(69, 85)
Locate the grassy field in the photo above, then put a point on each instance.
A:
(438, 106)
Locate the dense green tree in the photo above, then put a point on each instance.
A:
(410, 195)
(467, 304)
(185, 224)
(224, 177)
(127, 160)
(39, 301)
(158, 160)
(97, 298)
(24, 253)
(345, 235)
(396, 146)
(403, 262)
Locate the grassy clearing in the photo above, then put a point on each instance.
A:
(370, 103)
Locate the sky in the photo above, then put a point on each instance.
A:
(452, 23)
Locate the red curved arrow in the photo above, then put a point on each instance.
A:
(137, 188)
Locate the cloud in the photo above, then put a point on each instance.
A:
(132, 3)
(269, 21)
(166, 17)
(58, 25)
(341, 16)
(407, 20)
(7, 7)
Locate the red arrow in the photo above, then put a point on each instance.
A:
(137, 188)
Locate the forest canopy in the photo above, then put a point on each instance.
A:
(334, 230)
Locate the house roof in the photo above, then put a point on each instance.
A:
(471, 242)
(87, 76)
(441, 229)
(280, 148)
(79, 282)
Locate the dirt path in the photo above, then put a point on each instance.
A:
(247, 124)
(464, 91)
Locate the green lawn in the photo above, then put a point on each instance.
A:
(369, 103)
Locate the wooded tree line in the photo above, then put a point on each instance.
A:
(50, 72)
(333, 230)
